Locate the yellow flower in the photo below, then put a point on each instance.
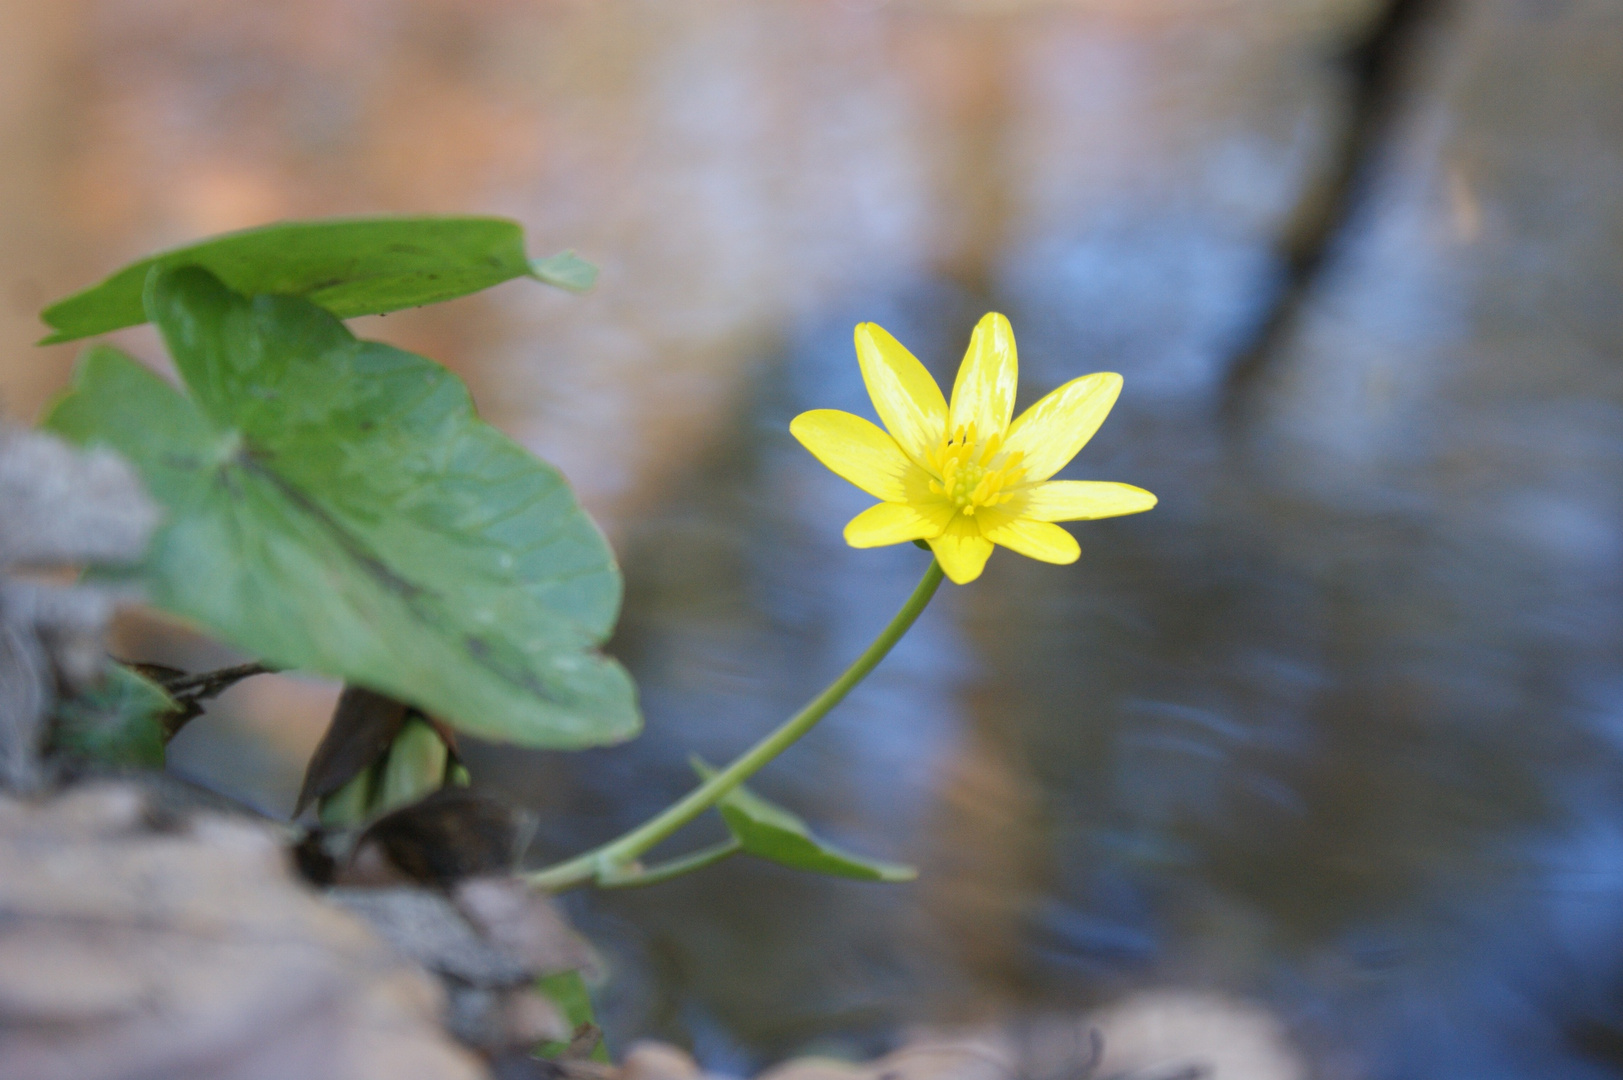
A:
(962, 477)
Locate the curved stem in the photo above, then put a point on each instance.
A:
(617, 853)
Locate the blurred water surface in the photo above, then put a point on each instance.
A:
(1338, 727)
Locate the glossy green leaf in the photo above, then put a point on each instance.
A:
(357, 266)
(335, 505)
(120, 722)
(568, 991)
(771, 832)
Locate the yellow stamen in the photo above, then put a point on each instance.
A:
(968, 472)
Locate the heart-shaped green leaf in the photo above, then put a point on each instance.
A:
(335, 505)
(771, 832)
(350, 267)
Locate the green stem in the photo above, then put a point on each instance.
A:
(624, 877)
(608, 858)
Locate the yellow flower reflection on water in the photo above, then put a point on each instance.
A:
(961, 476)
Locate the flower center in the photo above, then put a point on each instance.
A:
(970, 473)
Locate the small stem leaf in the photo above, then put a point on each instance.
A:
(121, 722)
(771, 832)
(566, 270)
(335, 505)
(622, 877)
(347, 266)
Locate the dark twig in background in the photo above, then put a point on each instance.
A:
(207, 684)
(1376, 66)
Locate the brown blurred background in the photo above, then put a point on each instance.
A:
(1337, 728)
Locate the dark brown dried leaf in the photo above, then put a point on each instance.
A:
(453, 834)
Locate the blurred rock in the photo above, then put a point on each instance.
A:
(509, 1021)
(59, 508)
(25, 697)
(1159, 1035)
(187, 952)
(1180, 1033)
(489, 943)
(933, 1058)
(524, 924)
(658, 1061)
(427, 928)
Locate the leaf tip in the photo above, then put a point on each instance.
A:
(566, 270)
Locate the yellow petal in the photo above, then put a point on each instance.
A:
(1053, 430)
(1037, 540)
(983, 394)
(1083, 500)
(906, 397)
(961, 550)
(857, 450)
(896, 523)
